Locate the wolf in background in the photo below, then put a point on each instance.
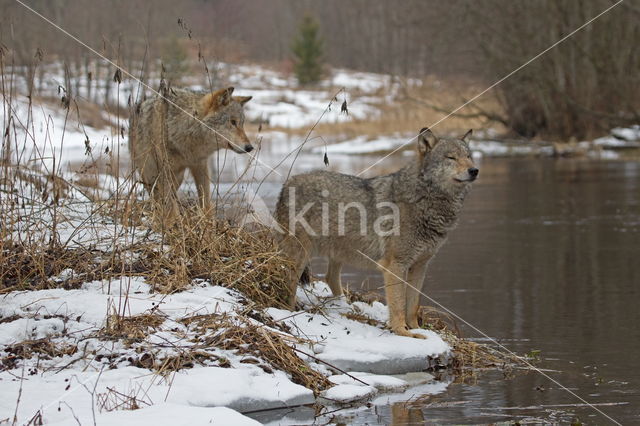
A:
(395, 223)
(168, 134)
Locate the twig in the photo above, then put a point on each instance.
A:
(330, 365)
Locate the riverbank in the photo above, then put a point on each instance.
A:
(105, 320)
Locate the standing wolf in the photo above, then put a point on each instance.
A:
(396, 222)
(164, 140)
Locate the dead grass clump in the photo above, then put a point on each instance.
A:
(201, 247)
(184, 360)
(133, 328)
(41, 348)
(25, 267)
(47, 185)
(436, 320)
(261, 343)
(468, 356)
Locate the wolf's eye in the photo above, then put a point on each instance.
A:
(234, 123)
(451, 158)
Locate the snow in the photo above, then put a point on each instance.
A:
(240, 389)
(51, 137)
(480, 148)
(363, 145)
(29, 329)
(620, 137)
(354, 346)
(349, 393)
(363, 81)
(613, 142)
(629, 134)
(380, 382)
(72, 316)
(61, 397)
(176, 415)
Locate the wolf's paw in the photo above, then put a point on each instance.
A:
(413, 324)
(417, 335)
(404, 331)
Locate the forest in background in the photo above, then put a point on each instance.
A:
(581, 88)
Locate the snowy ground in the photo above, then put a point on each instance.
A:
(94, 377)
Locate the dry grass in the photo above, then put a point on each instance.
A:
(199, 246)
(468, 357)
(257, 342)
(136, 327)
(196, 247)
(40, 348)
(31, 267)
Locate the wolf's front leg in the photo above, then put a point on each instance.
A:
(415, 278)
(202, 177)
(395, 290)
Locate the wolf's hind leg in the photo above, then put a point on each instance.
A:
(333, 277)
(297, 250)
(163, 191)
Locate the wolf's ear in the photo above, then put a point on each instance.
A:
(467, 135)
(225, 96)
(242, 99)
(216, 99)
(426, 141)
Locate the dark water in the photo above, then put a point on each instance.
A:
(546, 257)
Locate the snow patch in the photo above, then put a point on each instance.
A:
(349, 393)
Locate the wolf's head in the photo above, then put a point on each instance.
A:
(224, 113)
(446, 163)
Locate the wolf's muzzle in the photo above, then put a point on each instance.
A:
(248, 148)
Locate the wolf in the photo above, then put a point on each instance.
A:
(395, 223)
(180, 130)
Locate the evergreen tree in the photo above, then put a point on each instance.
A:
(307, 48)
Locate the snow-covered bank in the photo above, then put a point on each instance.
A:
(113, 349)
(94, 370)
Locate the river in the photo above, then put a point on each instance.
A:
(546, 257)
